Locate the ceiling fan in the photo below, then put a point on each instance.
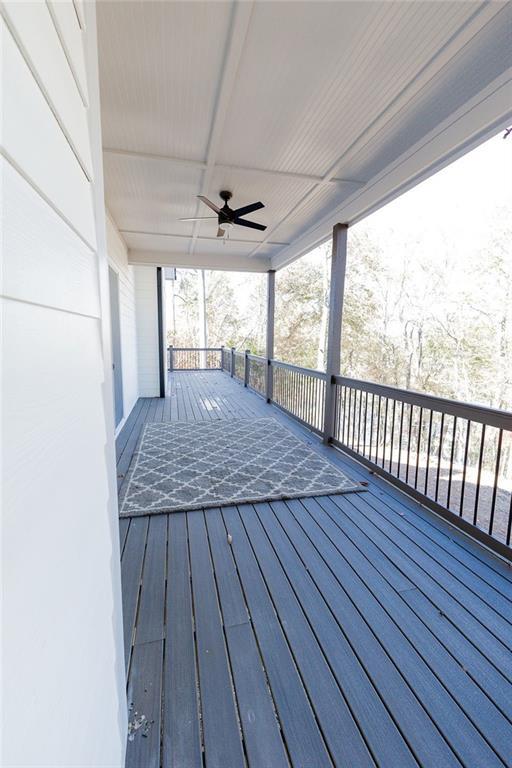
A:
(226, 216)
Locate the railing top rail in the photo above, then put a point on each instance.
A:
(478, 413)
(258, 358)
(306, 371)
(195, 349)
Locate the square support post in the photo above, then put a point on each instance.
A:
(271, 301)
(171, 361)
(232, 362)
(336, 292)
(222, 358)
(246, 367)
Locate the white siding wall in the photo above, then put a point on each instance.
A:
(63, 681)
(147, 331)
(118, 260)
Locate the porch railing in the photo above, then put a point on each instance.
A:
(256, 374)
(239, 365)
(456, 456)
(194, 358)
(453, 457)
(300, 392)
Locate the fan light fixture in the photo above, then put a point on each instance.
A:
(226, 216)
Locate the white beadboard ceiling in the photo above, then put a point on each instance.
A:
(322, 110)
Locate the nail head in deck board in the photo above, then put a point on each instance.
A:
(223, 747)
(464, 654)
(470, 657)
(418, 653)
(131, 569)
(145, 699)
(233, 606)
(339, 729)
(374, 721)
(303, 739)
(462, 616)
(439, 562)
(181, 733)
(261, 730)
(262, 735)
(422, 736)
(150, 619)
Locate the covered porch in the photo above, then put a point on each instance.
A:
(349, 630)
(366, 629)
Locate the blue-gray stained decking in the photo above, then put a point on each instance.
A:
(355, 630)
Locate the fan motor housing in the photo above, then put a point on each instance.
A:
(225, 214)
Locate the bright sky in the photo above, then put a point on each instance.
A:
(456, 206)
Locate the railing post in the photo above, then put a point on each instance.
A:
(271, 293)
(338, 269)
(222, 358)
(171, 361)
(246, 367)
(232, 362)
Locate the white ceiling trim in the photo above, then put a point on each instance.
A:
(477, 121)
(198, 261)
(471, 27)
(240, 20)
(199, 237)
(199, 164)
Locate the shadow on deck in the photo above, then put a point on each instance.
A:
(354, 630)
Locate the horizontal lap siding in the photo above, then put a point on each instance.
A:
(37, 245)
(43, 156)
(33, 27)
(61, 649)
(147, 330)
(67, 25)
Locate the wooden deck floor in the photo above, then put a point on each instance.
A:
(354, 630)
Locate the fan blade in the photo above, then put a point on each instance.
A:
(251, 224)
(199, 218)
(248, 209)
(209, 203)
(220, 232)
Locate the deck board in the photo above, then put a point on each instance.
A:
(222, 737)
(181, 729)
(260, 727)
(351, 630)
(303, 737)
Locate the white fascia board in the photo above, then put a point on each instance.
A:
(198, 261)
(471, 125)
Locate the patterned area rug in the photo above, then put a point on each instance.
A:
(189, 465)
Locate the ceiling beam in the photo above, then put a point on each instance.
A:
(481, 16)
(222, 261)
(201, 165)
(199, 237)
(240, 20)
(184, 161)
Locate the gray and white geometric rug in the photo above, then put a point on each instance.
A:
(189, 465)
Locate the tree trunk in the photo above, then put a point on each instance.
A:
(203, 331)
(324, 319)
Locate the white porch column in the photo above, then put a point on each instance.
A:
(338, 269)
(269, 352)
